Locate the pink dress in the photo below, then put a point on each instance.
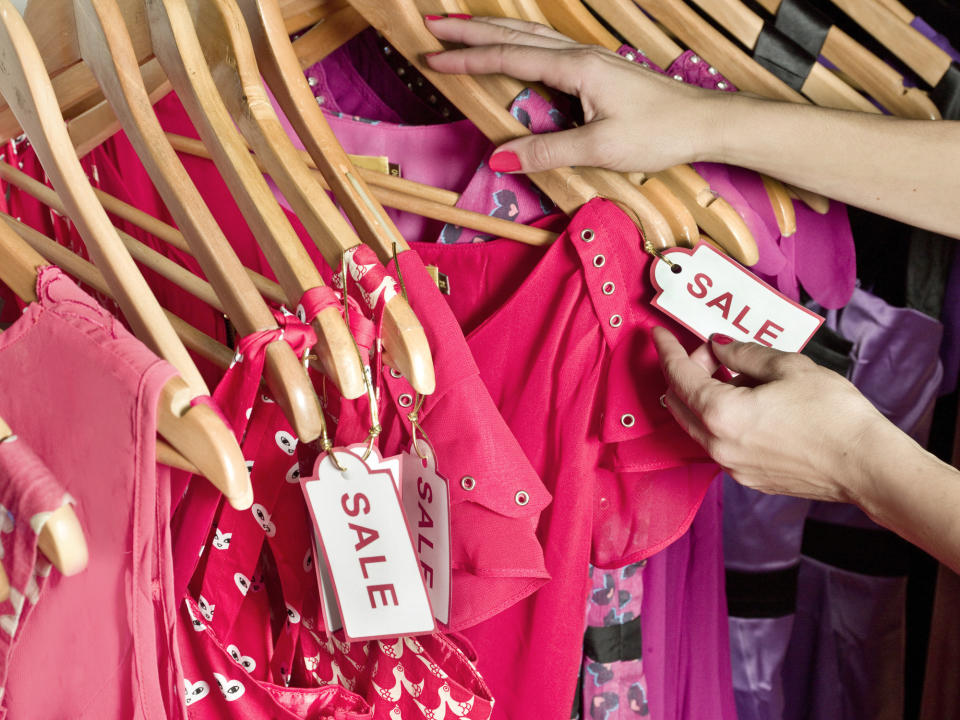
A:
(85, 399)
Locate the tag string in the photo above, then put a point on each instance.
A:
(649, 248)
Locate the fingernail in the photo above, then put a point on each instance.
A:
(433, 17)
(505, 161)
(431, 54)
(720, 339)
(460, 16)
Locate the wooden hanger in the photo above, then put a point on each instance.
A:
(229, 53)
(402, 24)
(899, 9)
(200, 343)
(917, 52)
(179, 50)
(108, 51)
(673, 219)
(873, 75)
(196, 432)
(822, 86)
(637, 29)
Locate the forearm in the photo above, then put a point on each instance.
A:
(908, 170)
(909, 491)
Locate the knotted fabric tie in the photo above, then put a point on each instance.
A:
(315, 301)
(370, 280)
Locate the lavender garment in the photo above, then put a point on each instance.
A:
(950, 349)
(846, 652)
(849, 628)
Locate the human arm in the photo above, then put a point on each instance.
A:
(637, 120)
(787, 426)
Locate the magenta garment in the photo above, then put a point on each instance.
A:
(627, 487)
(28, 495)
(85, 399)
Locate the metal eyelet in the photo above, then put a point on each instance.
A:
(627, 420)
(405, 400)
(587, 235)
(521, 498)
(678, 78)
(712, 70)
(616, 321)
(468, 483)
(630, 56)
(598, 261)
(694, 59)
(396, 374)
(721, 85)
(608, 288)
(312, 81)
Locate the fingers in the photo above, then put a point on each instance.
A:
(561, 67)
(689, 380)
(758, 361)
(494, 30)
(533, 153)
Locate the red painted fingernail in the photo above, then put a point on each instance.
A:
(433, 17)
(460, 16)
(720, 339)
(431, 54)
(505, 161)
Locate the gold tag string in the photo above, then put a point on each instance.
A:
(649, 248)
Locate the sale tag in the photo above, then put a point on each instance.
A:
(426, 502)
(365, 546)
(708, 293)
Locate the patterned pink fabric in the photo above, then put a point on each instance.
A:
(236, 660)
(85, 399)
(28, 495)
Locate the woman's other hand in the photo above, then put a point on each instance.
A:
(636, 119)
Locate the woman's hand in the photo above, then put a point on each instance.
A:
(636, 119)
(784, 426)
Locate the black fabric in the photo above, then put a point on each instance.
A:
(769, 594)
(929, 260)
(783, 57)
(830, 349)
(865, 551)
(946, 95)
(804, 24)
(614, 643)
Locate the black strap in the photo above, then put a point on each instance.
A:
(804, 24)
(831, 350)
(865, 551)
(769, 594)
(613, 643)
(783, 57)
(946, 95)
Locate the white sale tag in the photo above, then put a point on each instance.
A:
(710, 293)
(426, 502)
(364, 542)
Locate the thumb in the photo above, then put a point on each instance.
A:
(752, 359)
(546, 151)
